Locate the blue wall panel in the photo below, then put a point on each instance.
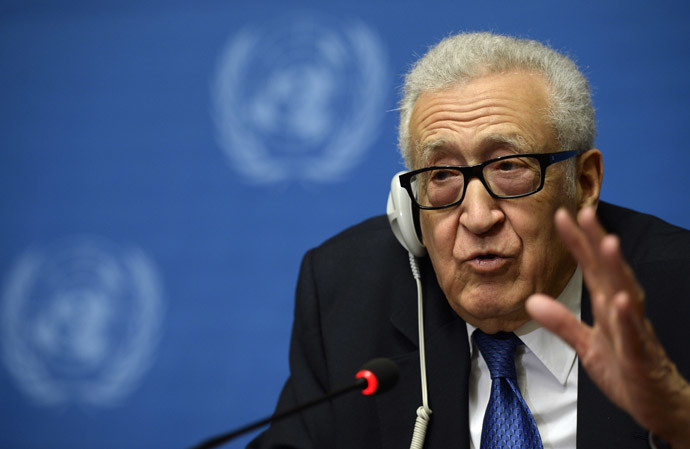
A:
(164, 166)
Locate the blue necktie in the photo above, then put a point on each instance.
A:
(508, 422)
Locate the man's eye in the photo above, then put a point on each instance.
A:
(443, 175)
(510, 165)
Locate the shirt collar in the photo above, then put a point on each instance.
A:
(556, 355)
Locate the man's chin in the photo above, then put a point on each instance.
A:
(491, 313)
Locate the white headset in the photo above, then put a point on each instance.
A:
(401, 216)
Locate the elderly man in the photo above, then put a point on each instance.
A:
(498, 134)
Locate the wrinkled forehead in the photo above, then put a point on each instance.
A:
(499, 110)
(425, 151)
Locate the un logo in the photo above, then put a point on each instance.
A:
(80, 321)
(299, 98)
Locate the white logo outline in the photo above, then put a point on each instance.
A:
(126, 366)
(247, 150)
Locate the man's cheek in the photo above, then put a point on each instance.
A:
(438, 239)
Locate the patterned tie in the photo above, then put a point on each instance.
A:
(508, 422)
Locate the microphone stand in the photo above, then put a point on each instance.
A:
(221, 439)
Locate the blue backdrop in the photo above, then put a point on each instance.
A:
(165, 164)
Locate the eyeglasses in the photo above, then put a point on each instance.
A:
(512, 176)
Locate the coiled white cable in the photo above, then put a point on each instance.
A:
(423, 412)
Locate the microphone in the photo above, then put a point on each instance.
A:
(376, 376)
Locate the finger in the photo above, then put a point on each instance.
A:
(620, 274)
(574, 238)
(628, 336)
(614, 273)
(555, 317)
(604, 273)
(636, 340)
(610, 272)
(579, 246)
(587, 220)
(607, 248)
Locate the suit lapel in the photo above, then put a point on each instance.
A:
(447, 358)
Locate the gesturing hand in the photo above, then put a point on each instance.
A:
(620, 352)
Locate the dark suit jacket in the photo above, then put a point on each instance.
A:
(356, 300)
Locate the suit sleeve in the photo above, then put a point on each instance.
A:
(308, 379)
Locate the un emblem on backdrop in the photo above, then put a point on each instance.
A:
(299, 98)
(80, 321)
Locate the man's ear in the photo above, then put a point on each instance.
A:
(590, 172)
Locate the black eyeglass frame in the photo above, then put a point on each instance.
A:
(477, 171)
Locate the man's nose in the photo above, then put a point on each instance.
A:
(479, 211)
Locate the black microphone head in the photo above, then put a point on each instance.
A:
(381, 375)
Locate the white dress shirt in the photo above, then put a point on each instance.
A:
(547, 376)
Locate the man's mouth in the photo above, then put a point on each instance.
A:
(487, 263)
(484, 256)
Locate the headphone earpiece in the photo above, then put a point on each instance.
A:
(401, 217)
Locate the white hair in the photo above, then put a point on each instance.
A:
(464, 57)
